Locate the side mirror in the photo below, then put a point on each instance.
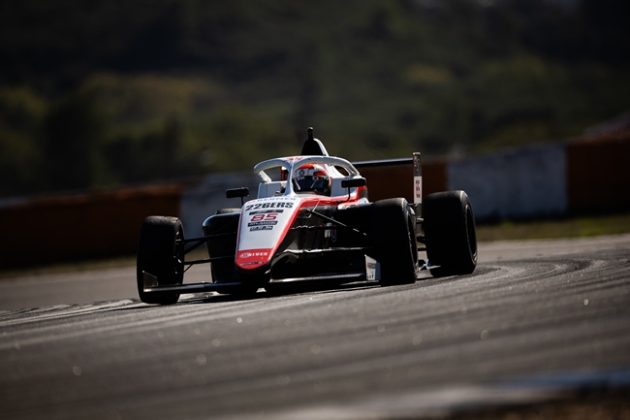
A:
(353, 182)
(237, 192)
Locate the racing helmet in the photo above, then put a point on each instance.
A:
(312, 178)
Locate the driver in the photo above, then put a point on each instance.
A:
(312, 178)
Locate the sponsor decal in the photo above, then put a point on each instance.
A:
(417, 198)
(258, 228)
(270, 205)
(264, 217)
(262, 224)
(252, 257)
(262, 220)
(253, 254)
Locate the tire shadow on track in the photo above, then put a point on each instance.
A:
(306, 289)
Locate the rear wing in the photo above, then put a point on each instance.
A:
(391, 178)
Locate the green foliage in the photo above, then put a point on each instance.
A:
(72, 144)
(104, 93)
(21, 115)
(575, 227)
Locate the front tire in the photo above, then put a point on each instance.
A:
(451, 239)
(160, 255)
(394, 241)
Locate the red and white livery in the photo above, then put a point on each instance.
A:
(312, 222)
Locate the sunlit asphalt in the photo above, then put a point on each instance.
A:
(534, 319)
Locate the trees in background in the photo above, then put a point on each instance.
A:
(106, 93)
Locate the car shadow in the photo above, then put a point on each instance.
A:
(289, 290)
(319, 288)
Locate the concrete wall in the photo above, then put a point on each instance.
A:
(521, 183)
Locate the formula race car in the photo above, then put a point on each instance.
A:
(311, 222)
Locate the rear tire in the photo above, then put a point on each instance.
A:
(451, 240)
(160, 255)
(394, 241)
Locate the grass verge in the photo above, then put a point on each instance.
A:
(575, 227)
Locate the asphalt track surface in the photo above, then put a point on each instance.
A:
(535, 320)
